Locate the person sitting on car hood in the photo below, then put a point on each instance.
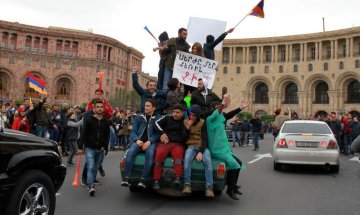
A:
(172, 140)
(197, 148)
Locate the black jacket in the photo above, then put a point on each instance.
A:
(209, 47)
(197, 98)
(96, 133)
(174, 129)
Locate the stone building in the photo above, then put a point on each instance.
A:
(310, 73)
(68, 60)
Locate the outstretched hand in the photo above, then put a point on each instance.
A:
(135, 69)
(244, 104)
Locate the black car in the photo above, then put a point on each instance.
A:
(31, 172)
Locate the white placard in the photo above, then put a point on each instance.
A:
(199, 28)
(188, 68)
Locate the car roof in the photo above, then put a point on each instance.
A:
(305, 121)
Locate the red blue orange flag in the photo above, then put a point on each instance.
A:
(36, 83)
(258, 10)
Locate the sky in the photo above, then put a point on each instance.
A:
(124, 20)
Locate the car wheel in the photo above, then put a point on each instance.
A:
(277, 166)
(217, 192)
(34, 193)
(334, 168)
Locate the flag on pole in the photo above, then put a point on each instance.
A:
(36, 83)
(258, 10)
(101, 75)
(147, 29)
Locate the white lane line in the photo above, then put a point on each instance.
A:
(259, 157)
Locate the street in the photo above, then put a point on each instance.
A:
(294, 190)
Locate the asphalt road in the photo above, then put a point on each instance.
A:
(295, 190)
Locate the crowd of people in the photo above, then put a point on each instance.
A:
(184, 122)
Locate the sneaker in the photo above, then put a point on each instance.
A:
(102, 172)
(83, 181)
(156, 185)
(141, 184)
(186, 189)
(177, 182)
(237, 190)
(125, 182)
(209, 192)
(92, 191)
(97, 182)
(231, 193)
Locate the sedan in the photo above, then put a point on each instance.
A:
(306, 142)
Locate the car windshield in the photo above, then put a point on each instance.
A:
(312, 128)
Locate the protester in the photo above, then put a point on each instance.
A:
(174, 96)
(73, 135)
(21, 122)
(210, 44)
(164, 38)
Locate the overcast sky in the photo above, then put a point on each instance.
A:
(124, 20)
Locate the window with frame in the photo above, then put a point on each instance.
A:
(252, 70)
(297, 54)
(326, 66)
(341, 65)
(36, 44)
(261, 94)
(357, 63)
(282, 55)
(313, 54)
(353, 92)
(59, 47)
(328, 52)
(11, 59)
(291, 96)
(238, 70)
(28, 42)
(44, 45)
(321, 93)
(43, 63)
(310, 67)
(73, 65)
(225, 70)
(13, 41)
(268, 56)
(296, 68)
(344, 50)
(281, 69)
(266, 69)
(5, 39)
(253, 56)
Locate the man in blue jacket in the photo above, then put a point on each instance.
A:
(143, 139)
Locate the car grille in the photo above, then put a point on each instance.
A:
(307, 144)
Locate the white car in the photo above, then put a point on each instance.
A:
(306, 142)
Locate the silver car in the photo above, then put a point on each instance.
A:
(306, 142)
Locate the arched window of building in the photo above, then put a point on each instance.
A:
(73, 65)
(291, 94)
(261, 94)
(281, 69)
(238, 70)
(225, 70)
(357, 64)
(252, 69)
(353, 92)
(296, 68)
(326, 66)
(310, 67)
(266, 69)
(341, 65)
(3, 85)
(321, 93)
(63, 88)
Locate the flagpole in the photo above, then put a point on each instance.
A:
(242, 19)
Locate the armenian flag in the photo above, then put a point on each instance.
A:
(258, 10)
(36, 83)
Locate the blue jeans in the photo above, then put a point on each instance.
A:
(347, 143)
(149, 160)
(54, 134)
(256, 139)
(93, 161)
(167, 76)
(244, 137)
(235, 134)
(190, 153)
(41, 131)
(114, 141)
(123, 140)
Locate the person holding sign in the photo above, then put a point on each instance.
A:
(174, 44)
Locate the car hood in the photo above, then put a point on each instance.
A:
(20, 136)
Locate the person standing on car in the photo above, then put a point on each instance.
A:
(172, 140)
(219, 145)
(143, 138)
(95, 138)
(197, 148)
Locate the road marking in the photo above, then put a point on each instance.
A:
(58, 194)
(355, 159)
(259, 157)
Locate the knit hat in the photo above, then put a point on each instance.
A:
(163, 36)
(196, 110)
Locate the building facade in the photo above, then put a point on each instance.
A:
(310, 74)
(68, 60)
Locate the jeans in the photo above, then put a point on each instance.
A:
(123, 141)
(190, 154)
(41, 131)
(244, 137)
(149, 160)
(256, 139)
(160, 77)
(235, 134)
(93, 161)
(114, 141)
(167, 76)
(347, 143)
(54, 134)
(73, 150)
